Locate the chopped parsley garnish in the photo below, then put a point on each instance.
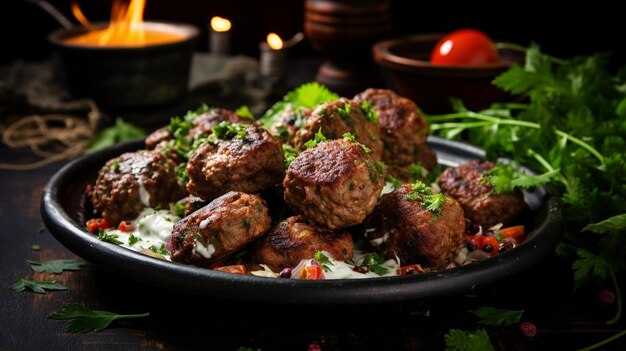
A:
(244, 111)
(308, 95)
(246, 223)
(116, 166)
(350, 138)
(83, 320)
(424, 194)
(374, 261)
(497, 317)
(290, 154)
(227, 130)
(323, 260)
(369, 112)
(416, 170)
(178, 209)
(377, 170)
(319, 137)
(37, 286)
(395, 182)
(56, 266)
(132, 240)
(35, 247)
(110, 238)
(159, 250)
(344, 111)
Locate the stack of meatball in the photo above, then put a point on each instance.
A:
(332, 190)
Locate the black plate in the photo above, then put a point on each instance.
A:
(63, 211)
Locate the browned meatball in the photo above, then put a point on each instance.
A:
(403, 128)
(219, 229)
(203, 124)
(465, 184)
(157, 137)
(335, 184)
(250, 162)
(293, 240)
(402, 226)
(336, 118)
(409, 173)
(192, 204)
(132, 181)
(288, 123)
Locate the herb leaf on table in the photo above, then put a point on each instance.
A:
(120, 131)
(497, 317)
(82, 319)
(37, 286)
(56, 266)
(459, 340)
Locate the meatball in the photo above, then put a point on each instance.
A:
(203, 124)
(287, 124)
(158, 137)
(132, 181)
(403, 129)
(192, 204)
(219, 229)
(250, 161)
(402, 226)
(465, 184)
(335, 184)
(417, 170)
(336, 118)
(293, 240)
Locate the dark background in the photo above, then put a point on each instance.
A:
(563, 31)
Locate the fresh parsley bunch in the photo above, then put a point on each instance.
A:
(573, 128)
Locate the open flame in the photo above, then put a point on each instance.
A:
(126, 27)
(220, 24)
(274, 41)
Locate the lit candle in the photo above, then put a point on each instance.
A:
(219, 36)
(272, 56)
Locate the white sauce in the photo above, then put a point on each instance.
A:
(388, 188)
(152, 229)
(380, 241)
(204, 251)
(143, 193)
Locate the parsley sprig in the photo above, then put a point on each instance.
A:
(319, 138)
(497, 317)
(323, 260)
(573, 128)
(37, 286)
(374, 261)
(459, 340)
(424, 194)
(82, 319)
(56, 266)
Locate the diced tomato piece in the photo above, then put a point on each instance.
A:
(410, 270)
(515, 232)
(216, 265)
(95, 224)
(125, 227)
(312, 272)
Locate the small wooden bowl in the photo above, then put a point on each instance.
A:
(407, 60)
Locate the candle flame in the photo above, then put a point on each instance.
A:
(220, 24)
(274, 41)
(125, 27)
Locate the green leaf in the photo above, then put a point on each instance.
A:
(83, 320)
(457, 105)
(110, 238)
(117, 133)
(351, 139)
(613, 224)
(369, 111)
(319, 137)
(37, 286)
(290, 154)
(244, 111)
(497, 317)
(621, 108)
(459, 340)
(35, 247)
(56, 266)
(227, 130)
(505, 178)
(374, 262)
(323, 260)
(589, 267)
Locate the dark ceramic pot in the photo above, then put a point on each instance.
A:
(128, 78)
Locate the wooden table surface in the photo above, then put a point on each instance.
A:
(565, 320)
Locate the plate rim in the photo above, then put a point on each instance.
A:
(201, 281)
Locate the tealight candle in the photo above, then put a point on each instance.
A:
(272, 56)
(219, 36)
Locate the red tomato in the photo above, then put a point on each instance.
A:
(512, 232)
(312, 273)
(464, 47)
(95, 224)
(410, 270)
(125, 227)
